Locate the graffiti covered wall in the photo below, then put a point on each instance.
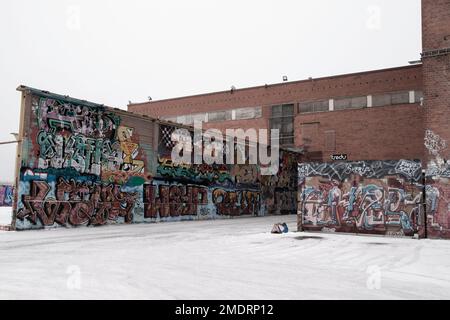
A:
(220, 190)
(437, 186)
(81, 163)
(84, 164)
(376, 197)
(6, 195)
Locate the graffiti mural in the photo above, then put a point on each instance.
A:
(75, 203)
(437, 187)
(84, 164)
(236, 203)
(438, 204)
(380, 197)
(6, 195)
(280, 190)
(84, 138)
(198, 173)
(173, 200)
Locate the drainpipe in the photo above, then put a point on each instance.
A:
(424, 203)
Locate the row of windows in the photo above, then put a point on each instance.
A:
(234, 114)
(378, 100)
(283, 115)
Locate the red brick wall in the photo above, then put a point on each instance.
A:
(395, 131)
(373, 82)
(378, 133)
(436, 70)
(435, 24)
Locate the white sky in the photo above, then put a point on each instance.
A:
(114, 51)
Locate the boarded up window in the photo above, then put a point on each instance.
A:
(200, 116)
(186, 120)
(309, 133)
(219, 116)
(381, 100)
(400, 97)
(330, 140)
(350, 103)
(388, 99)
(316, 106)
(248, 113)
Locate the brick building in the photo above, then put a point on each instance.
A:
(377, 114)
(436, 72)
(368, 115)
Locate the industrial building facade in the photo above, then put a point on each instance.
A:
(393, 126)
(81, 163)
(370, 115)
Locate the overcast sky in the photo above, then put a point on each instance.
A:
(114, 51)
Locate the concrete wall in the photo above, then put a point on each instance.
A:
(85, 164)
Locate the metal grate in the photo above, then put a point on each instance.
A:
(165, 135)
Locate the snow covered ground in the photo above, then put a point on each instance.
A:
(221, 259)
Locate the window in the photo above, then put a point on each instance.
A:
(219, 116)
(316, 106)
(248, 113)
(283, 120)
(350, 103)
(388, 99)
(186, 120)
(381, 100)
(400, 98)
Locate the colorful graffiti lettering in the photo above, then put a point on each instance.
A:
(84, 164)
(280, 191)
(75, 203)
(348, 200)
(85, 138)
(173, 200)
(236, 203)
(203, 173)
